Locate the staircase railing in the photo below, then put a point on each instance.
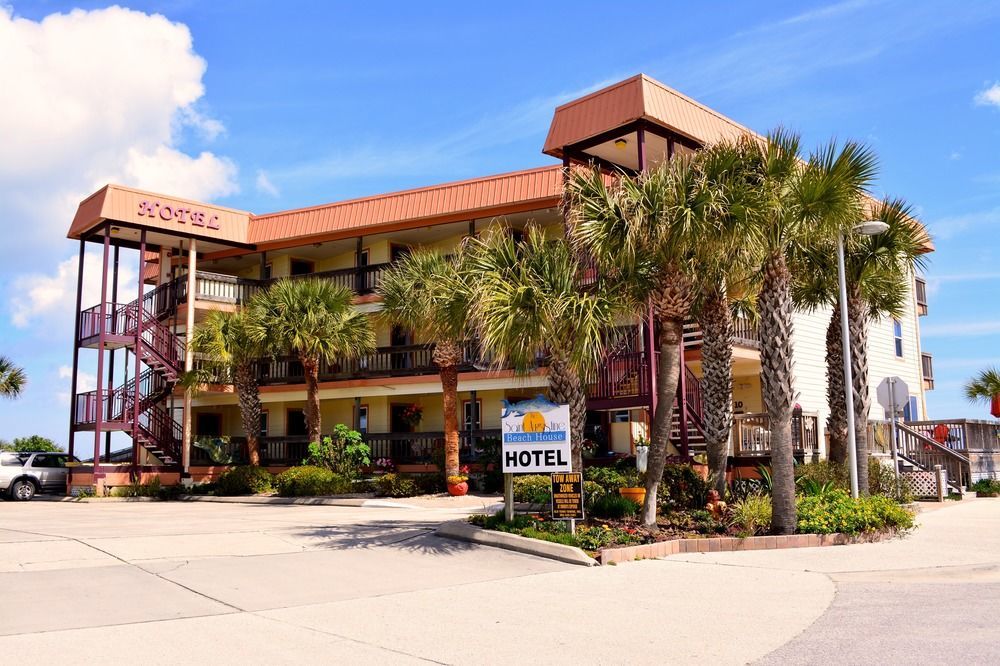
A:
(164, 432)
(923, 451)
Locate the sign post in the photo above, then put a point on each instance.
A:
(534, 439)
(893, 392)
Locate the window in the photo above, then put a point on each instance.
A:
(363, 258)
(301, 267)
(910, 410)
(470, 422)
(897, 336)
(621, 416)
(49, 461)
(263, 424)
(295, 426)
(13, 459)
(363, 418)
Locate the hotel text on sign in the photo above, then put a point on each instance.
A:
(535, 437)
(179, 213)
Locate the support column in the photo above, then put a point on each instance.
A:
(111, 357)
(139, 319)
(357, 414)
(102, 322)
(474, 409)
(359, 275)
(263, 263)
(189, 357)
(70, 443)
(165, 267)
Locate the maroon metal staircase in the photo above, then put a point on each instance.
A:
(137, 406)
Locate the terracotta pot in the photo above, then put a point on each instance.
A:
(637, 495)
(995, 406)
(458, 489)
(701, 470)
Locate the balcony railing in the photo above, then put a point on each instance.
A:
(921, 296)
(962, 435)
(752, 435)
(403, 448)
(745, 334)
(927, 370)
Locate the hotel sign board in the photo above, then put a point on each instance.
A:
(567, 496)
(535, 437)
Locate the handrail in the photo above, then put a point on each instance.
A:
(752, 434)
(925, 452)
(961, 434)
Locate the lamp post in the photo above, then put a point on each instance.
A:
(869, 228)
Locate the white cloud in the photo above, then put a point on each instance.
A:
(96, 96)
(265, 185)
(989, 96)
(949, 227)
(85, 381)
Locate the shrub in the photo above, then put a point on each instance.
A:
(986, 487)
(533, 488)
(397, 485)
(614, 506)
(309, 480)
(611, 479)
(245, 480)
(592, 492)
(135, 489)
(752, 514)
(682, 488)
(344, 453)
(838, 512)
(882, 481)
(822, 472)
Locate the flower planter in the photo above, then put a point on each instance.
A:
(637, 495)
(995, 406)
(701, 470)
(458, 489)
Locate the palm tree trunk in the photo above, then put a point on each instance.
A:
(310, 366)
(668, 373)
(246, 387)
(566, 387)
(717, 382)
(858, 328)
(836, 424)
(449, 387)
(778, 387)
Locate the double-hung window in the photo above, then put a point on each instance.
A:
(897, 337)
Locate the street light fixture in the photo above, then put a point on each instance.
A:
(867, 228)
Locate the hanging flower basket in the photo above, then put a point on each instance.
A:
(412, 415)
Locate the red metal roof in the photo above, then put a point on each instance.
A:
(639, 97)
(480, 197)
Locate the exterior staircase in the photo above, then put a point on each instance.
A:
(137, 326)
(918, 452)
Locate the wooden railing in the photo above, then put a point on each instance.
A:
(962, 435)
(752, 435)
(745, 334)
(927, 453)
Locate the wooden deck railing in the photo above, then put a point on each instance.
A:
(745, 334)
(752, 435)
(962, 435)
(915, 446)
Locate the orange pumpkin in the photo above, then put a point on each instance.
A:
(533, 422)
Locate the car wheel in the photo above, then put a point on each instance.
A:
(22, 490)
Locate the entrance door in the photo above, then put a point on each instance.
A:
(397, 423)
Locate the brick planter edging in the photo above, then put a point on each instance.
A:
(729, 544)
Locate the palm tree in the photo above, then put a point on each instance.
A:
(313, 319)
(644, 233)
(878, 271)
(802, 201)
(12, 378)
(985, 388)
(427, 293)
(229, 349)
(527, 303)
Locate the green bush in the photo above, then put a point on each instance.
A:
(612, 479)
(344, 453)
(614, 506)
(245, 480)
(588, 538)
(838, 512)
(681, 488)
(151, 488)
(752, 514)
(533, 488)
(822, 472)
(882, 481)
(396, 485)
(309, 480)
(986, 487)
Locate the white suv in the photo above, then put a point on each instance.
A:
(22, 474)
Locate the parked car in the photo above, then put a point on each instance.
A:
(23, 474)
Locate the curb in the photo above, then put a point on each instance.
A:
(463, 531)
(659, 549)
(249, 499)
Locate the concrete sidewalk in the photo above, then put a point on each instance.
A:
(246, 583)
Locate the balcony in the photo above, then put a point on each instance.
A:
(921, 296)
(745, 334)
(752, 435)
(927, 370)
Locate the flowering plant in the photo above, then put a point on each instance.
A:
(461, 477)
(412, 414)
(385, 465)
(589, 448)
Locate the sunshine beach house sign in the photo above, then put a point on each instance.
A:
(535, 437)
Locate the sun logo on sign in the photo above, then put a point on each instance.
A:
(533, 422)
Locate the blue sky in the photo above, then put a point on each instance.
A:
(265, 107)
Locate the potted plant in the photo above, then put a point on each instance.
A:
(635, 488)
(699, 463)
(458, 484)
(412, 415)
